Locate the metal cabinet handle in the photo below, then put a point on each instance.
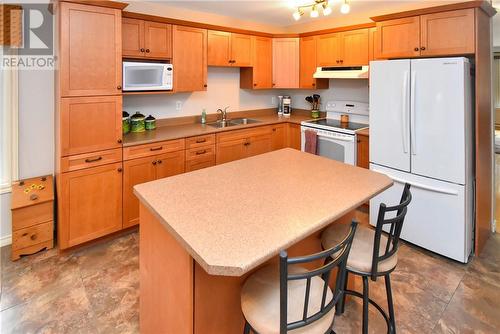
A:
(142, 50)
(201, 152)
(33, 197)
(199, 141)
(119, 169)
(33, 237)
(156, 148)
(416, 49)
(422, 48)
(119, 87)
(205, 85)
(247, 143)
(159, 161)
(93, 160)
(119, 141)
(154, 162)
(255, 85)
(147, 50)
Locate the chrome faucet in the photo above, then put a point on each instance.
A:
(224, 114)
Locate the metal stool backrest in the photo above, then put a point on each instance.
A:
(396, 225)
(338, 256)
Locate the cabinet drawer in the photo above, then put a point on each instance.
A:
(81, 161)
(147, 150)
(32, 215)
(244, 133)
(200, 153)
(32, 235)
(207, 161)
(200, 141)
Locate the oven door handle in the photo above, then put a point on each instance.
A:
(349, 140)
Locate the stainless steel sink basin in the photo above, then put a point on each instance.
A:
(232, 122)
(238, 121)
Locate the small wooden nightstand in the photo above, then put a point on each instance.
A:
(32, 216)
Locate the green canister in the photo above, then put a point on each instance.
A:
(137, 122)
(125, 122)
(150, 123)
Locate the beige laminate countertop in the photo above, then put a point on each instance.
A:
(171, 132)
(233, 217)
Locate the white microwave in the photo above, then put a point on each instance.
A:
(144, 76)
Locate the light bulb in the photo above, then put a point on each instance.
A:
(345, 8)
(327, 10)
(314, 12)
(297, 15)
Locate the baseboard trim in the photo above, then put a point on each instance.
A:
(7, 240)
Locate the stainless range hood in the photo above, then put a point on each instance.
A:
(345, 72)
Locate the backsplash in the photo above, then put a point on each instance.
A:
(224, 90)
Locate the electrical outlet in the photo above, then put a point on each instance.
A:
(273, 100)
(178, 105)
(330, 105)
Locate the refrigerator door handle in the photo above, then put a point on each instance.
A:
(413, 135)
(419, 185)
(404, 111)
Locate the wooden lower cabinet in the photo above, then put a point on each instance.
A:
(230, 150)
(278, 139)
(136, 171)
(90, 204)
(142, 170)
(294, 136)
(241, 144)
(363, 148)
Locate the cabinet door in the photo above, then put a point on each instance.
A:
(169, 164)
(263, 63)
(190, 59)
(158, 40)
(90, 205)
(355, 48)
(286, 63)
(135, 171)
(399, 38)
(230, 150)
(89, 124)
(259, 144)
(447, 33)
(241, 50)
(329, 52)
(132, 37)
(293, 136)
(278, 136)
(219, 48)
(307, 61)
(91, 50)
(362, 159)
(373, 53)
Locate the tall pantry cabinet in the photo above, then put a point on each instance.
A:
(88, 121)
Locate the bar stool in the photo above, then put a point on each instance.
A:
(292, 299)
(373, 254)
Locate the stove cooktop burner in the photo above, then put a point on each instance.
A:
(333, 123)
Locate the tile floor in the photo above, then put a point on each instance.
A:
(95, 290)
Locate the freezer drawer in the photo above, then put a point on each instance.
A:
(439, 217)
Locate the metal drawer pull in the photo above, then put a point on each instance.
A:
(201, 152)
(156, 148)
(93, 160)
(199, 141)
(33, 237)
(34, 197)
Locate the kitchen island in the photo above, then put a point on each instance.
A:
(202, 233)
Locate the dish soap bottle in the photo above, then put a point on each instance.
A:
(203, 116)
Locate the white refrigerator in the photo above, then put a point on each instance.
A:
(421, 132)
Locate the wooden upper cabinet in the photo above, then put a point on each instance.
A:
(447, 33)
(329, 51)
(219, 48)
(91, 50)
(354, 48)
(260, 76)
(373, 53)
(90, 124)
(146, 39)
(189, 59)
(90, 204)
(242, 50)
(229, 49)
(286, 62)
(132, 37)
(308, 66)
(399, 38)
(158, 40)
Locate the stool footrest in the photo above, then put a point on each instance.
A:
(377, 306)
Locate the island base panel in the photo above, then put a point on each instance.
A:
(166, 280)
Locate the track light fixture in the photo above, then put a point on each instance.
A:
(316, 6)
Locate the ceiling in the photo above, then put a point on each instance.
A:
(279, 12)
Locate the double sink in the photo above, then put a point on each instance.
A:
(232, 122)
